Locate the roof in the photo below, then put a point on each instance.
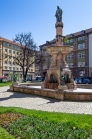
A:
(68, 36)
(78, 33)
(9, 41)
(49, 42)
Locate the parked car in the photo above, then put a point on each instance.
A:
(3, 79)
(90, 78)
(86, 80)
(29, 79)
(39, 78)
(78, 80)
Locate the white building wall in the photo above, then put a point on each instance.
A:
(90, 55)
(90, 50)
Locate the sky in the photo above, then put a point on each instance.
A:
(38, 17)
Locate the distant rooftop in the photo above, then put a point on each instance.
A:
(9, 41)
(69, 35)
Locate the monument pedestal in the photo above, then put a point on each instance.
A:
(59, 75)
(47, 83)
(60, 87)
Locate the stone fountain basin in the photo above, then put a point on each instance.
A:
(78, 94)
(57, 49)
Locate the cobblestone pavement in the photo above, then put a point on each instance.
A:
(8, 98)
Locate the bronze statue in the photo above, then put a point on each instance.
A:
(14, 77)
(62, 80)
(52, 79)
(59, 14)
(67, 79)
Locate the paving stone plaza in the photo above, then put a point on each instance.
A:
(28, 101)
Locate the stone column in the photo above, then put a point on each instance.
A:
(59, 26)
(59, 60)
(54, 57)
(64, 56)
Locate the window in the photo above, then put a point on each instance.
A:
(71, 35)
(5, 50)
(17, 53)
(81, 38)
(17, 68)
(9, 68)
(69, 56)
(6, 44)
(13, 68)
(81, 55)
(6, 67)
(13, 63)
(70, 65)
(31, 70)
(13, 52)
(6, 62)
(81, 46)
(82, 32)
(81, 64)
(16, 47)
(9, 62)
(10, 56)
(13, 46)
(71, 40)
(47, 42)
(10, 51)
(6, 56)
(10, 45)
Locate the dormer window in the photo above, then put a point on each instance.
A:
(54, 40)
(47, 42)
(71, 35)
(82, 32)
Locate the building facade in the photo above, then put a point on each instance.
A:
(80, 59)
(47, 59)
(7, 65)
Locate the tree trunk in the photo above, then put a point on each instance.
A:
(25, 74)
(24, 77)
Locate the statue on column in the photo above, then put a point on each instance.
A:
(59, 14)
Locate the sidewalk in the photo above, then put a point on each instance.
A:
(28, 101)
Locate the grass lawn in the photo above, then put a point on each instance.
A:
(31, 124)
(5, 84)
(4, 134)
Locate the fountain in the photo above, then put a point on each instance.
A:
(59, 82)
(59, 75)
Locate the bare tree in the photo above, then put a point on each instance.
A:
(48, 61)
(40, 61)
(28, 49)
